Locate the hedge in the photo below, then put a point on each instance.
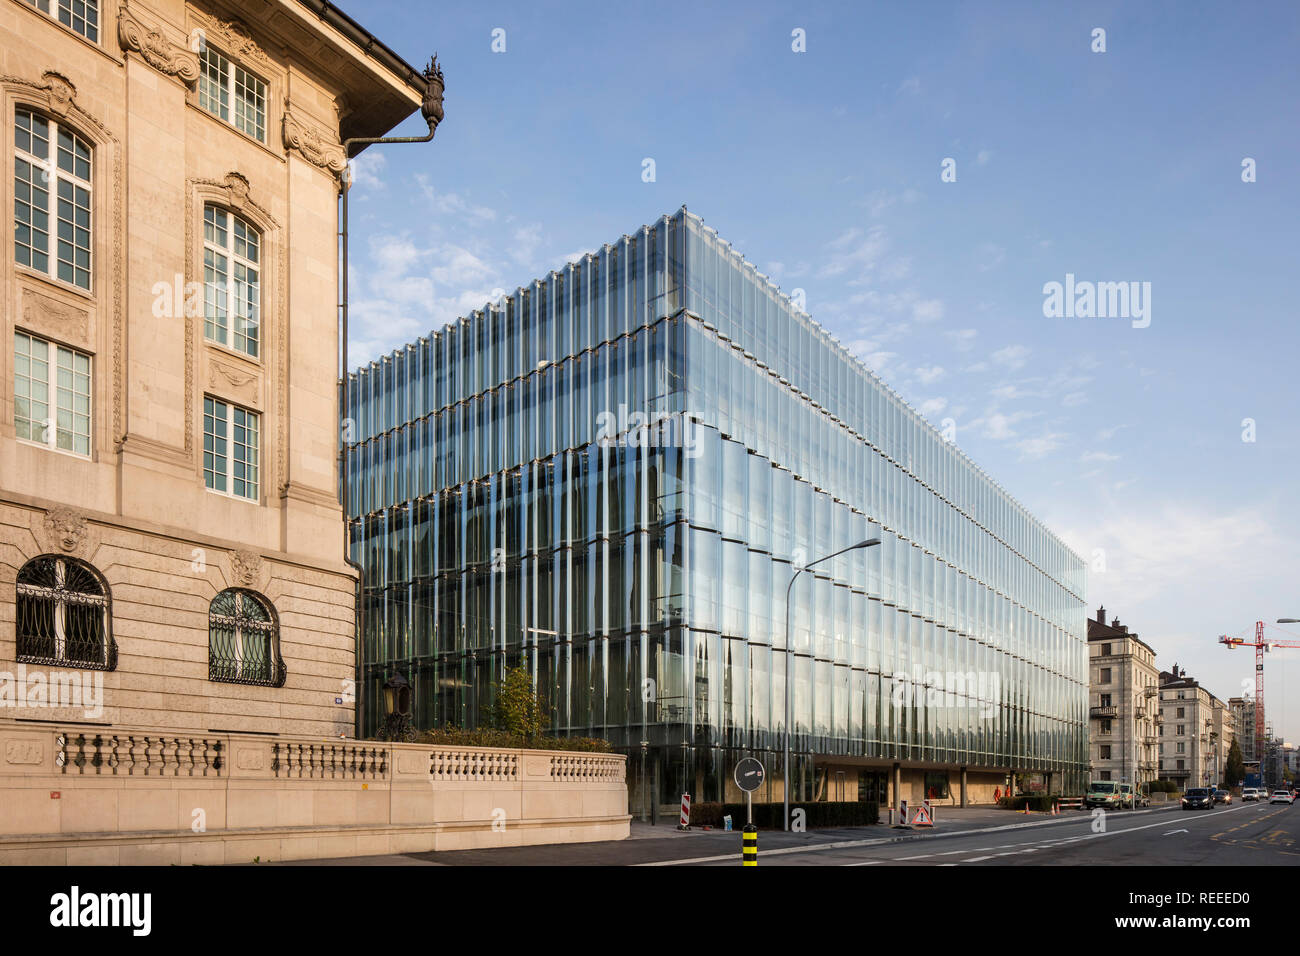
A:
(771, 816)
(1036, 801)
(487, 737)
(1161, 786)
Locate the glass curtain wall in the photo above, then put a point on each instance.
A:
(611, 476)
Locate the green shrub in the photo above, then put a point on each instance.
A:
(771, 816)
(1161, 786)
(517, 708)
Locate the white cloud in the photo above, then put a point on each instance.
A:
(369, 170)
(963, 340)
(1041, 446)
(927, 310)
(1013, 356)
(855, 250)
(928, 375)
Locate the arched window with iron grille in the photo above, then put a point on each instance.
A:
(64, 614)
(244, 640)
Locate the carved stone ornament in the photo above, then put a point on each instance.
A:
(66, 526)
(61, 91)
(235, 376)
(247, 566)
(45, 312)
(313, 146)
(159, 52)
(232, 36)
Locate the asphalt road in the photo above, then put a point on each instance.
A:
(1245, 834)
(1249, 834)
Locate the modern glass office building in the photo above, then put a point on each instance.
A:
(612, 474)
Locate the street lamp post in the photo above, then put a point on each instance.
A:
(790, 588)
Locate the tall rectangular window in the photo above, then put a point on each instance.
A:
(36, 173)
(38, 393)
(231, 280)
(230, 448)
(221, 82)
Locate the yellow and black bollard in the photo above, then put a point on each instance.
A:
(749, 855)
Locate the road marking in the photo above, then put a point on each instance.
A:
(866, 863)
(1172, 832)
(1087, 836)
(850, 844)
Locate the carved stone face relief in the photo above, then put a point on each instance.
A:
(247, 567)
(66, 527)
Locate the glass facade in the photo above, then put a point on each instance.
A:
(612, 474)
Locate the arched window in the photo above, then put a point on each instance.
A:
(244, 640)
(52, 187)
(64, 614)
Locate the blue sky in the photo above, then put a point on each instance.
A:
(823, 168)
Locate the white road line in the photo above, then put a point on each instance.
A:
(850, 844)
(1090, 836)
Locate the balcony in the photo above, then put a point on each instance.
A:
(1108, 711)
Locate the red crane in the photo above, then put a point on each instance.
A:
(1261, 646)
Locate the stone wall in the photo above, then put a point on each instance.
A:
(76, 795)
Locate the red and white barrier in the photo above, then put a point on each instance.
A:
(686, 811)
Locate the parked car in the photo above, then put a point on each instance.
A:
(1128, 799)
(1222, 796)
(1282, 796)
(1103, 793)
(1198, 798)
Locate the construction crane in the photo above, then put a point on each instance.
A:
(1261, 646)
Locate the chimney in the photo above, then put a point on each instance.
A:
(1101, 615)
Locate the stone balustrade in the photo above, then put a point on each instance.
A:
(72, 794)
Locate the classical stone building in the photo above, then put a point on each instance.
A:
(169, 514)
(1197, 731)
(1124, 716)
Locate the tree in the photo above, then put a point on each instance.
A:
(517, 709)
(1235, 772)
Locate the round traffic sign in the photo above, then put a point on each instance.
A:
(749, 774)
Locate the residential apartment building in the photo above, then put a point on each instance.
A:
(1244, 720)
(1124, 713)
(612, 474)
(169, 513)
(1197, 731)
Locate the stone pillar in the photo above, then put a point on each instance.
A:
(898, 787)
(963, 787)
